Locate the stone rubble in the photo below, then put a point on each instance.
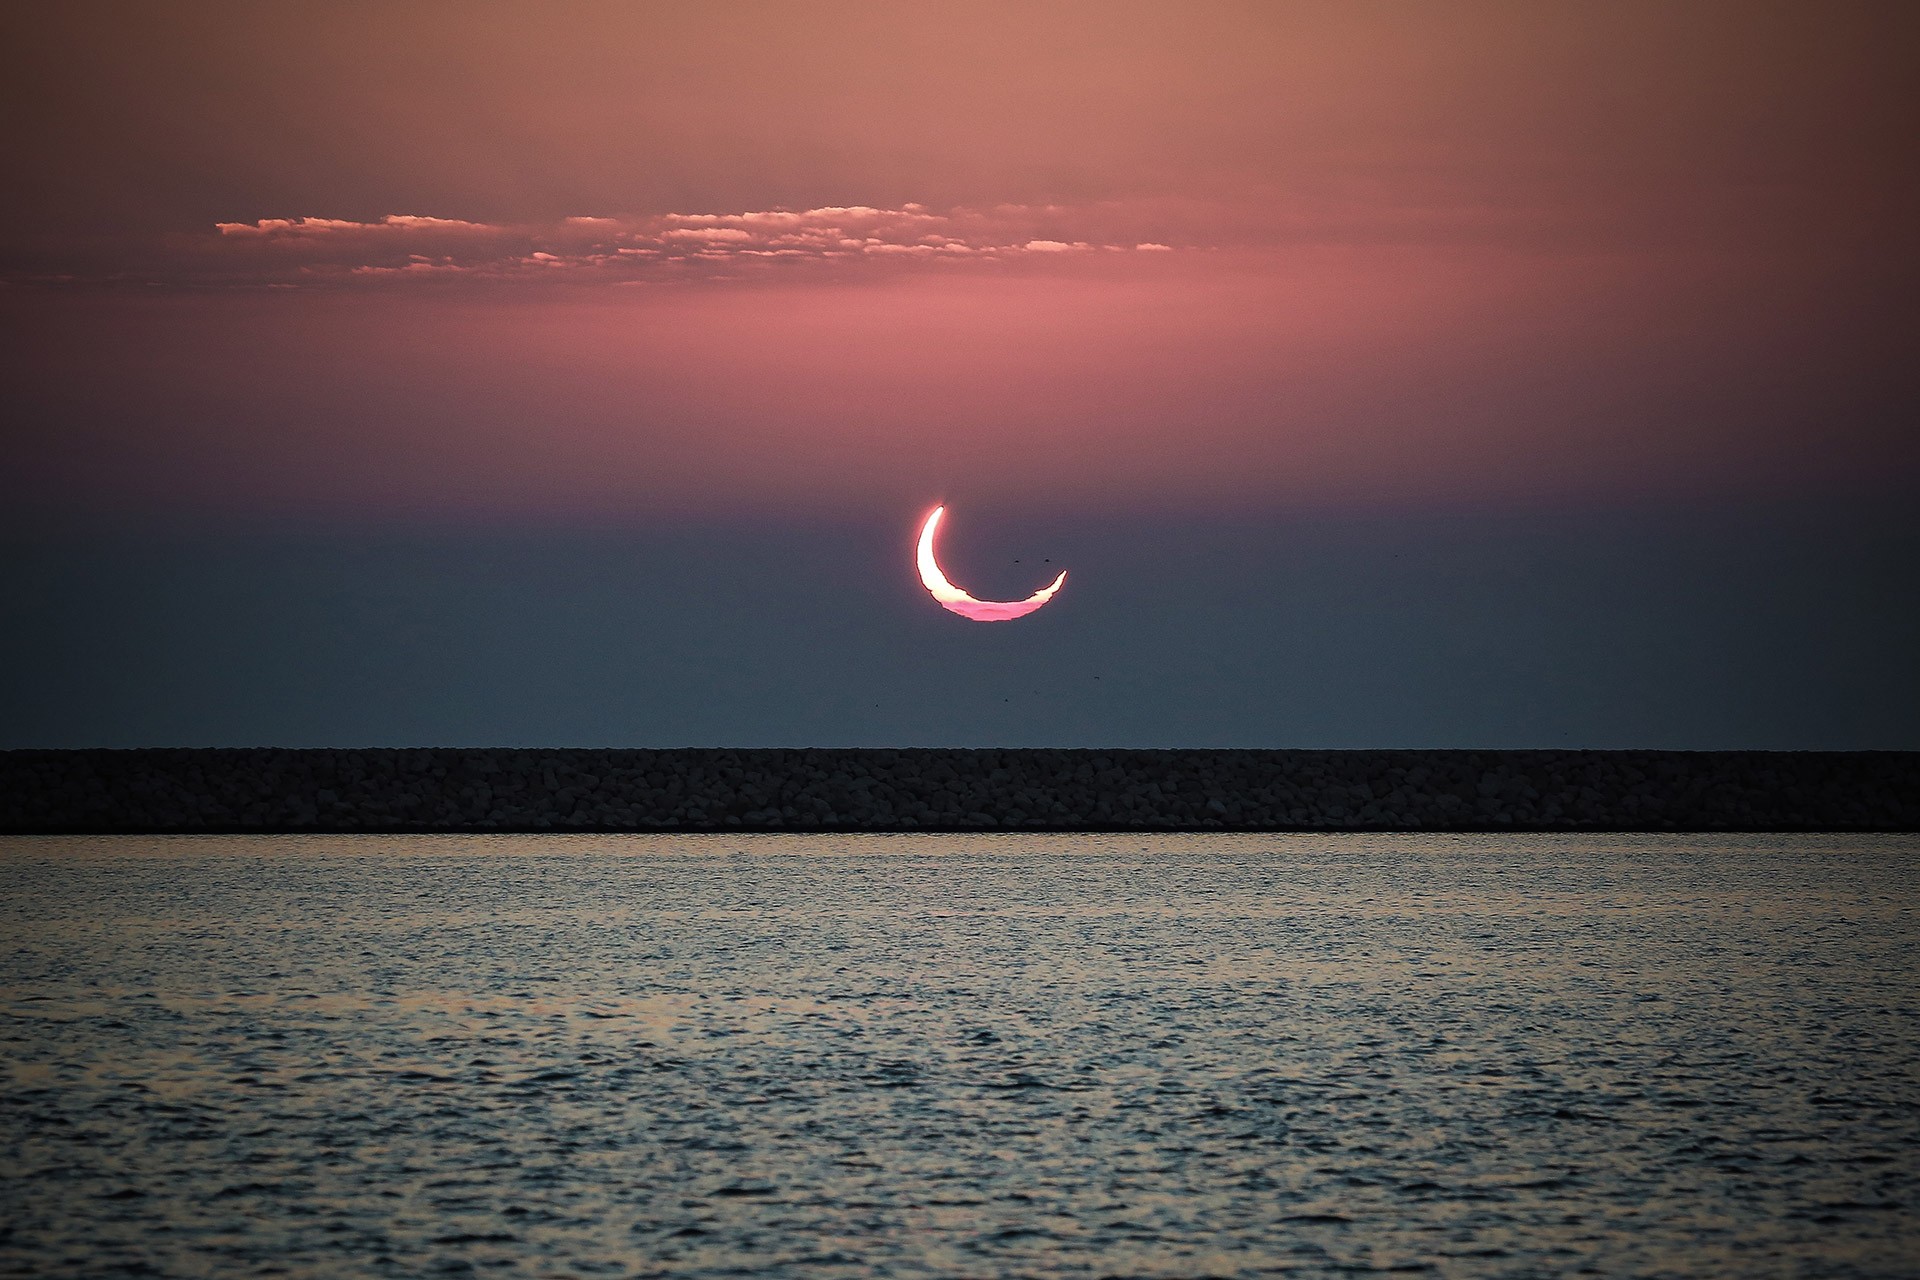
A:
(772, 789)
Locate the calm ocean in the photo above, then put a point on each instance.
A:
(961, 1055)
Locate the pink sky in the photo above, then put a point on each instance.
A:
(614, 261)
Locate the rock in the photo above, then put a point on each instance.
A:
(454, 790)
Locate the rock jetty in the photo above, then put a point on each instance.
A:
(459, 790)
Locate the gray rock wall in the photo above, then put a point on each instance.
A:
(449, 789)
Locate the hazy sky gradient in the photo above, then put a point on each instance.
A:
(1200, 276)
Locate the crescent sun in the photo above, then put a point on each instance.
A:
(954, 600)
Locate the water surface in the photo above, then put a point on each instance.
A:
(979, 1055)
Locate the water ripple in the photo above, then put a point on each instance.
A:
(960, 1056)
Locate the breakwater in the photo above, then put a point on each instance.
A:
(456, 789)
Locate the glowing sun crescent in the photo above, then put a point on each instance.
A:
(954, 600)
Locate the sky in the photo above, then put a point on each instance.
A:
(1384, 374)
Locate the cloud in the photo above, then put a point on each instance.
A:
(1355, 207)
(392, 224)
(315, 251)
(711, 235)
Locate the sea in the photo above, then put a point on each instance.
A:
(1508, 1055)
